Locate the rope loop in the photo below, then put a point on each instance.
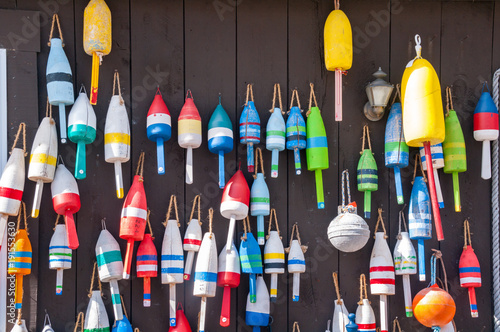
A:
(22, 126)
(273, 213)
(346, 187)
(395, 324)
(295, 94)
(55, 19)
(335, 276)
(403, 221)
(418, 161)
(210, 221)
(196, 199)
(467, 234)
(277, 91)
(312, 96)
(246, 228)
(296, 327)
(397, 94)
(78, 321)
(249, 93)
(149, 223)
(366, 134)
(22, 211)
(48, 111)
(92, 281)
(380, 221)
(116, 81)
(173, 202)
(140, 166)
(258, 157)
(363, 293)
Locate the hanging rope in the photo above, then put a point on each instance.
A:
(273, 213)
(395, 324)
(296, 327)
(312, 96)
(246, 228)
(295, 229)
(258, 157)
(19, 317)
(397, 94)
(149, 223)
(403, 221)
(173, 202)
(137, 330)
(380, 221)
(22, 126)
(337, 4)
(337, 288)
(277, 91)
(197, 198)
(418, 161)
(366, 134)
(295, 94)
(449, 101)
(123, 306)
(467, 234)
(48, 111)
(116, 81)
(22, 210)
(140, 166)
(92, 281)
(438, 255)
(249, 93)
(55, 19)
(210, 221)
(495, 223)
(57, 221)
(345, 183)
(362, 288)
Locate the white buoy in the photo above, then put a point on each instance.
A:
(257, 314)
(365, 317)
(296, 262)
(19, 326)
(340, 313)
(274, 256)
(96, 318)
(60, 255)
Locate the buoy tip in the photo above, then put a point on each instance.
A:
(295, 298)
(321, 205)
(172, 322)
(126, 275)
(187, 276)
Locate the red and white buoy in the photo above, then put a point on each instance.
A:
(182, 322)
(469, 270)
(365, 317)
(147, 264)
(192, 238)
(189, 132)
(228, 276)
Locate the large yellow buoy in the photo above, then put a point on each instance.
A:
(423, 118)
(338, 51)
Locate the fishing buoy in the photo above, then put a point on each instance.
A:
(275, 132)
(192, 238)
(352, 326)
(220, 138)
(251, 259)
(367, 172)
(96, 38)
(12, 183)
(47, 324)
(189, 132)
(338, 51)
(340, 313)
(423, 118)
(469, 270)
(20, 258)
(250, 127)
(419, 216)
(257, 312)
(259, 197)
(274, 255)
(382, 276)
(395, 147)
(296, 261)
(159, 128)
(147, 264)
(66, 201)
(60, 254)
(110, 267)
(317, 147)
(455, 160)
(19, 326)
(182, 322)
(117, 135)
(59, 77)
(234, 204)
(228, 276)
(43, 158)
(134, 215)
(437, 163)
(365, 317)
(172, 256)
(348, 232)
(486, 128)
(296, 136)
(205, 276)
(405, 262)
(96, 317)
(122, 325)
(82, 124)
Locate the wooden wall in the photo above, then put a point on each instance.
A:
(218, 46)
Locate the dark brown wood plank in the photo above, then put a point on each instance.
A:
(8, 4)
(158, 26)
(466, 35)
(210, 57)
(20, 30)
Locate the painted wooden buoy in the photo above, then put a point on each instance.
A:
(60, 255)
(205, 276)
(486, 128)
(189, 132)
(122, 325)
(234, 203)
(338, 51)
(228, 276)
(220, 138)
(20, 259)
(437, 163)
(455, 157)
(469, 270)
(395, 147)
(423, 118)
(12, 183)
(19, 326)
(274, 255)
(250, 258)
(192, 238)
(66, 201)
(182, 322)
(134, 215)
(117, 135)
(420, 218)
(365, 317)
(260, 205)
(147, 266)
(250, 127)
(276, 131)
(340, 313)
(382, 276)
(172, 257)
(110, 267)
(367, 173)
(296, 135)
(257, 312)
(405, 262)
(47, 325)
(59, 77)
(96, 38)
(317, 147)
(159, 128)
(43, 159)
(352, 326)
(296, 261)
(348, 232)
(82, 124)
(96, 317)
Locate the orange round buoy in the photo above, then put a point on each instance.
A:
(433, 306)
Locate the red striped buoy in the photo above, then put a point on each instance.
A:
(470, 272)
(192, 238)
(147, 265)
(365, 317)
